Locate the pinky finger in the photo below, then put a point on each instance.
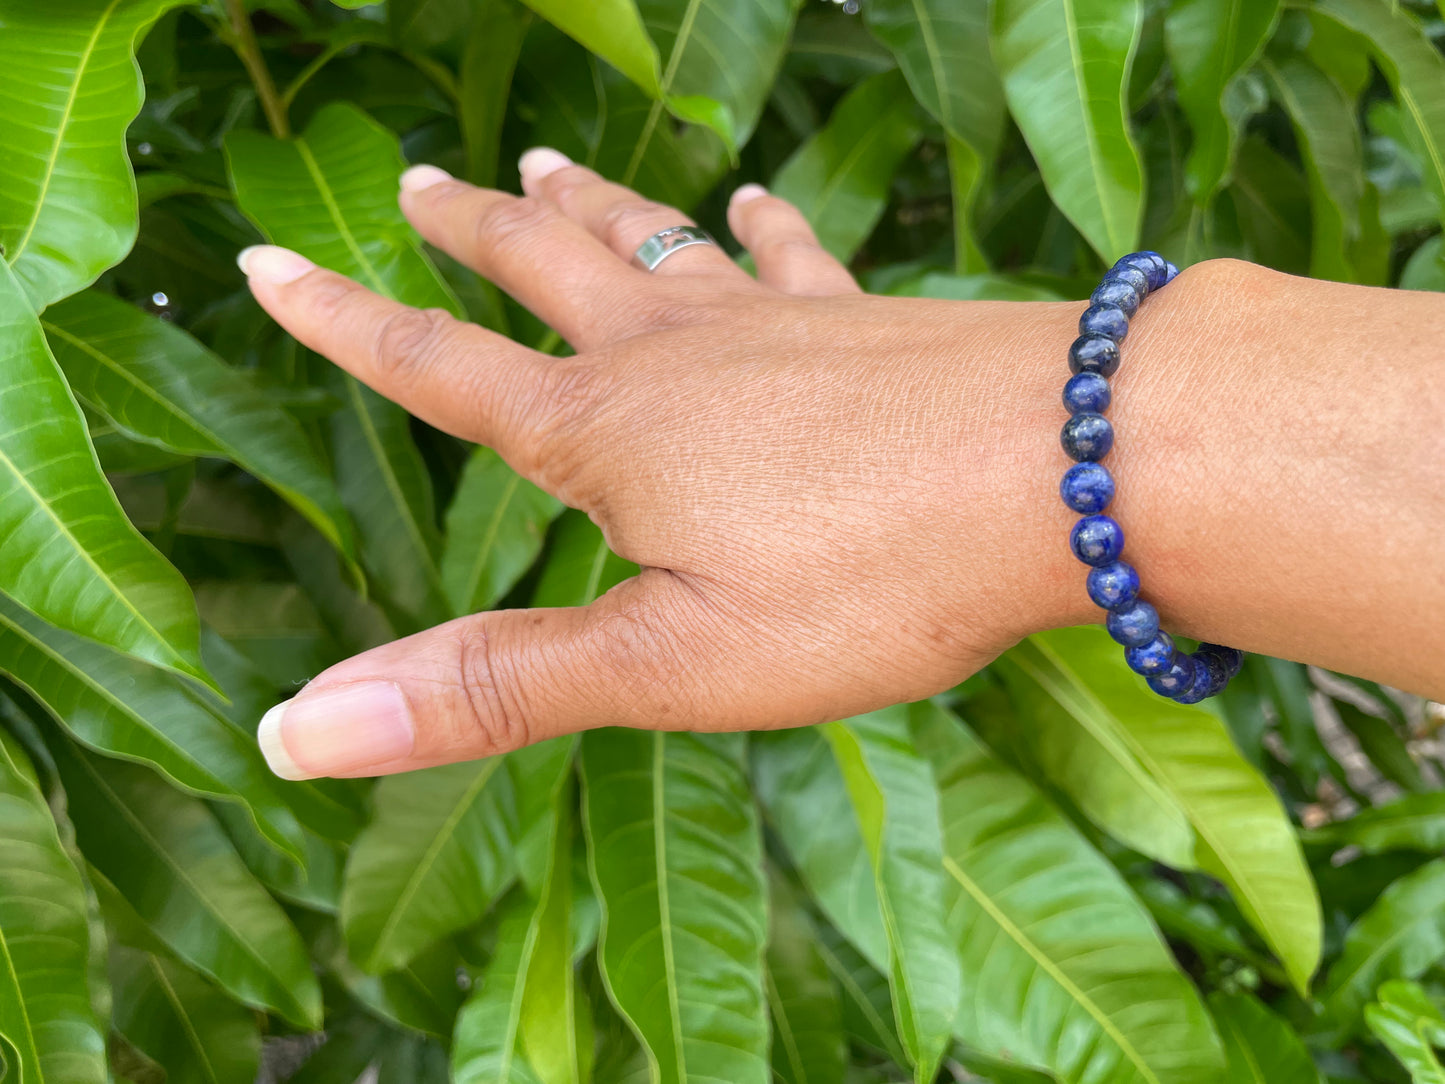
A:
(786, 249)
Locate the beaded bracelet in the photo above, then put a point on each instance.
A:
(1088, 487)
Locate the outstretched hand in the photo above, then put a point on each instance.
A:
(832, 496)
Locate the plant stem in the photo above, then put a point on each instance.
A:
(250, 53)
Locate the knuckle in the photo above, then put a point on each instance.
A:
(505, 223)
(666, 308)
(566, 409)
(408, 337)
(628, 221)
(630, 644)
(496, 717)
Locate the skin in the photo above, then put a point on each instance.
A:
(841, 502)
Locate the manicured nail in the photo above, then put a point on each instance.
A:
(351, 730)
(539, 162)
(273, 264)
(746, 193)
(420, 178)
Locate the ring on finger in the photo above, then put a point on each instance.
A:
(664, 243)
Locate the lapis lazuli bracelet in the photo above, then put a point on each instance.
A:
(1088, 487)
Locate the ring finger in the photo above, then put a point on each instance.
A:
(618, 216)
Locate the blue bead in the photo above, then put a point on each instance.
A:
(1218, 671)
(1133, 625)
(1087, 393)
(1170, 272)
(1113, 585)
(1233, 658)
(1087, 488)
(1198, 687)
(1094, 354)
(1151, 658)
(1106, 320)
(1176, 679)
(1097, 540)
(1151, 263)
(1118, 291)
(1087, 438)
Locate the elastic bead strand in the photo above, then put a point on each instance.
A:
(1088, 488)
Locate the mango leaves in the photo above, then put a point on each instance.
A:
(1412, 1027)
(675, 850)
(1065, 65)
(70, 554)
(46, 1012)
(1167, 779)
(1079, 980)
(69, 89)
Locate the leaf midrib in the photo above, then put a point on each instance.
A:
(184, 1017)
(20, 994)
(1042, 959)
(664, 903)
(489, 539)
(430, 856)
(674, 58)
(142, 830)
(82, 65)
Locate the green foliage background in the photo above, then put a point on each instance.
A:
(1048, 874)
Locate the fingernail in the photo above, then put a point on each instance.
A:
(355, 728)
(273, 264)
(746, 193)
(539, 162)
(420, 178)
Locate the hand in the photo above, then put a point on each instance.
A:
(838, 501)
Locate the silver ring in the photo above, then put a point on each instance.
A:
(664, 243)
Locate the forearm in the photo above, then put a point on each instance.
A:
(1280, 460)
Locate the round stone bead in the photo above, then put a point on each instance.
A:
(1115, 290)
(1151, 263)
(1154, 657)
(1170, 272)
(1104, 320)
(1178, 677)
(1087, 438)
(1094, 354)
(1133, 625)
(1113, 585)
(1232, 657)
(1097, 540)
(1218, 671)
(1087, 488)
(1198, 688)
(1087, 393)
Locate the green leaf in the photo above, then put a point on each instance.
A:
(332, 196)
(1412, 1027)
(895, 804)
(809, 1046)
(423, 996)
(157, 384)
(717, 51)
(613, 30)
(487, 1042)
(840, 178)
(70, 554)
(1262, 1048)
(675, 853)
(1065, 68)
(46, 1014)
(70, 87)
(1211, 44)
(1416, 72)
(436, 855)
(1062, 966)
(1241, 835)
(1324, 123)
(167, 856)
(123, 708)
(522, 1025)
(1413, 823)
(489, 60)
(867, 1005)
(182, 1022)
(580, 567)
(1401, 936)
(495, 527)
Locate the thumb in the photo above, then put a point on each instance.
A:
(487, 684)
